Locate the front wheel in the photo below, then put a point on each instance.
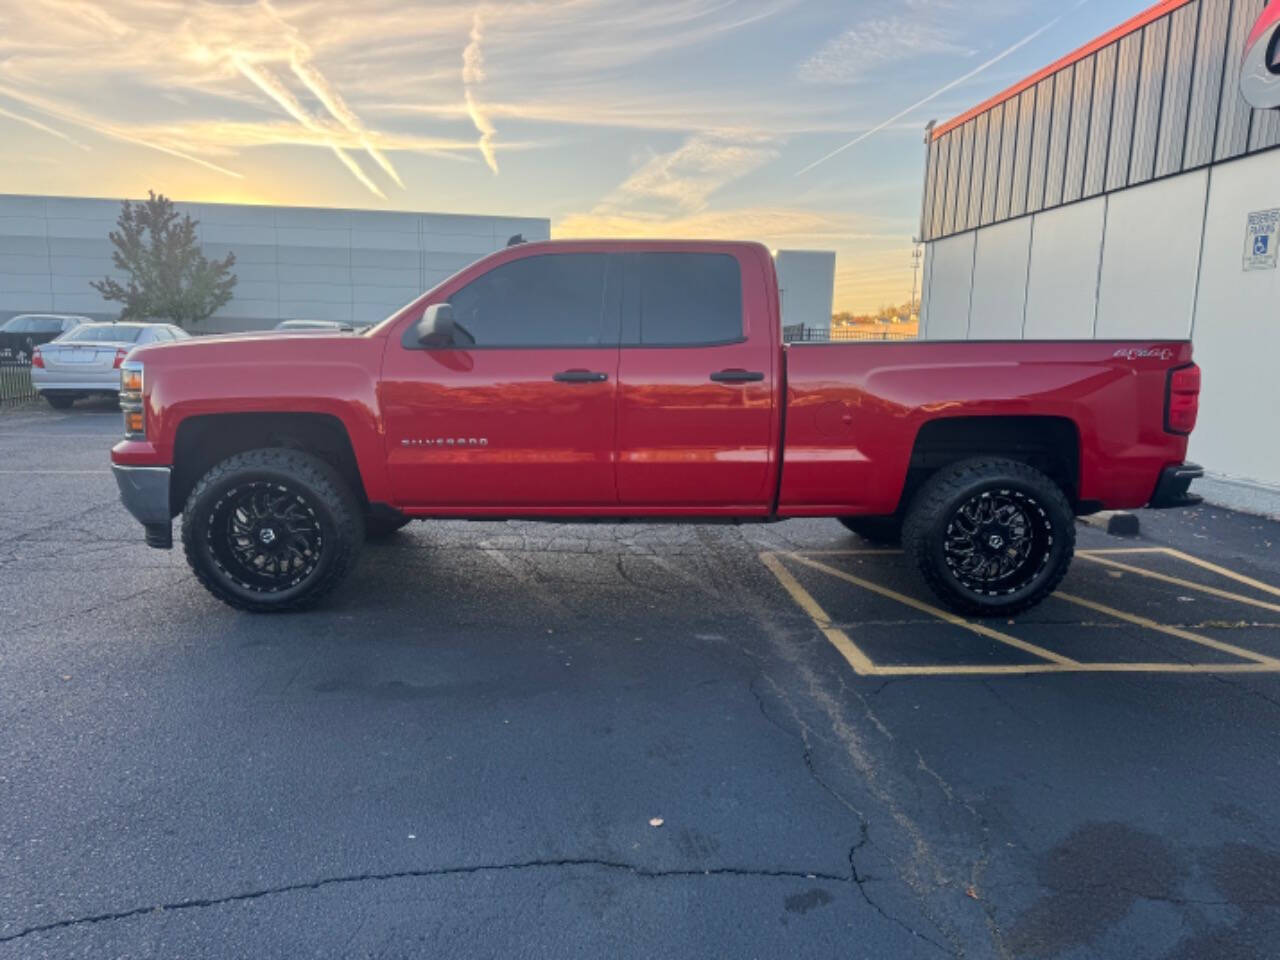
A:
(991, 537)
(271, 530)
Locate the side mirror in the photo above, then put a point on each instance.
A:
(435, 329)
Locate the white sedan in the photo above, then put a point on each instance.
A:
(86, 361)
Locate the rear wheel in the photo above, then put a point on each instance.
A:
(886, 530)
(271, 530)
(991, 537)
(60, 401)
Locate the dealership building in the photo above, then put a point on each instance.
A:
(354, 266)
(1130, 190)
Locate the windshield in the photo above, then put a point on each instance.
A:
(103, 333)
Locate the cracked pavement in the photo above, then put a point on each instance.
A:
(460, 755)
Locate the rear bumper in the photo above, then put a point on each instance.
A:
(75, 380)
(144, 491)
(1171, 490)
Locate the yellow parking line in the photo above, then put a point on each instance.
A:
(971, 670)
(1171, 631)
(869, 552)
(937, 612)
(1178, 581)
(1117, 550)
(838, 638)
(1225, 572)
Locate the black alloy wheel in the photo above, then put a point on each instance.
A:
(991, 537)
(264, 536)
(271, 529)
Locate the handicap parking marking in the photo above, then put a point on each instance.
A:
(1245, 660)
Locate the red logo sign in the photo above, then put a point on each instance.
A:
(1260, 79)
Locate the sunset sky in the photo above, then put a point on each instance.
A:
(612, 117)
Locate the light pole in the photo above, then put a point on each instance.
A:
(916, 254)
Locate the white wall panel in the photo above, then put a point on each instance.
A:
(1062, 283)
(290, 261)
(1237, 329)
(951, 274)
(1150, 257)
(806, 286)
(1000, 280)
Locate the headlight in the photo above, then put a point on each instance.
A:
(135, 425)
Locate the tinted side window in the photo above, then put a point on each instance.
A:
(553, 300)
(48, 325)
(681, 298)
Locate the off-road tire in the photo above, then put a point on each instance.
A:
(329, 503)
(879, 530)
(60, 401)
(937, 505)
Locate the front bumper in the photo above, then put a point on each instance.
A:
(145, 493)
(1171, 489)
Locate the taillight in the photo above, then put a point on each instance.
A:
(37, 358)
(121, 353)
(1182, 400)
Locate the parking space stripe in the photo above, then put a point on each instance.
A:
(1178, 581)
(837, 637)
(1225, 572)
(1149, 624)
(54, 473)
(938, 612)
(977, 670)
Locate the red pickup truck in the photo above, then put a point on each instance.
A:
(575, 380)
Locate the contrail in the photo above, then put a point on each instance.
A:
(941, 90)
(106, 129)
(472, 74)
(277, 91)
(36, 124)
(337, 107)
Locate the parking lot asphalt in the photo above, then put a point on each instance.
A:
(515, 739)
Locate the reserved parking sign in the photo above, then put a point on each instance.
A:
(1261, 237)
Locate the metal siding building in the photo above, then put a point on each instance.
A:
(1107, 196)
(291, 262)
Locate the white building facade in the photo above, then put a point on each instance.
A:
(1130, 190)
(355, 266)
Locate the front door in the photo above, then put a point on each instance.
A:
(519, 410)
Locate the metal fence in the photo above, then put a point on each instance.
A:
(15, 383)
(799, 333)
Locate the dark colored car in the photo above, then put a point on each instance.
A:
(21, 334)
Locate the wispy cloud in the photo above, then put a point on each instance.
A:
(980, 68)
(874, 43)
(42, 127)
(114, 131)
(684, 179)
(472, 77)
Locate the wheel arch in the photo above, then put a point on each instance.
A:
(203, 440)
(1051, 444)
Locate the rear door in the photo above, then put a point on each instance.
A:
(519, 410)
(696, 384)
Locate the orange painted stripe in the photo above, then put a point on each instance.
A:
(1129, 26)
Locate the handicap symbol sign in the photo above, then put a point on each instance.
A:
(1262, 236)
